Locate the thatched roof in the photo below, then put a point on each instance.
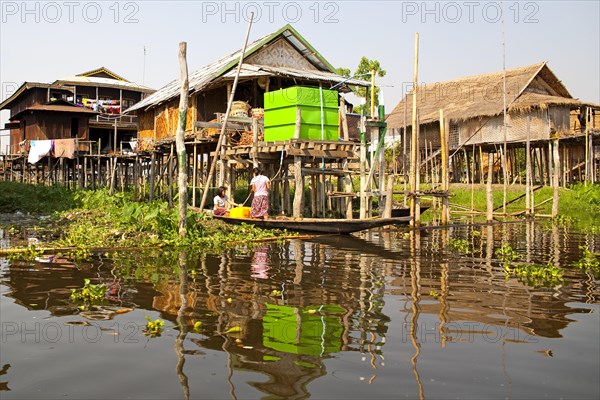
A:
(533, 86)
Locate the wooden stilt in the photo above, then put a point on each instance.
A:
(489, 194)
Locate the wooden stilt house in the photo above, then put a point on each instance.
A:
(539, 109)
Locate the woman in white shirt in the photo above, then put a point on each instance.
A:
(260, 187)
(220, 201)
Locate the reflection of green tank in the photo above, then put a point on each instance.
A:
(314, 330)
(280, 114)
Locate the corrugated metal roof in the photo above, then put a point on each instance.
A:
(202, 77)
(312, 75)
(103, 82)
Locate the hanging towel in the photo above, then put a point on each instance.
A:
(39, 149)
(64, 148)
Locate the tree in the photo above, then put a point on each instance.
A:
(363, 72)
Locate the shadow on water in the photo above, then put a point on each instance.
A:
(384, 313)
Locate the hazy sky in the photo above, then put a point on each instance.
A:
(44, 41)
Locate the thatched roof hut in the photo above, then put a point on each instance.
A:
(476, 103)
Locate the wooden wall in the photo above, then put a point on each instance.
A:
(47, 125)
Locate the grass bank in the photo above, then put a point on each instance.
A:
(578, 205)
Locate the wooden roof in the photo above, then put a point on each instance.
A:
(56, 106)
(103, 70)
(482, 96)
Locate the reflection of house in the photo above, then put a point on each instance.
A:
(87, 106)
(538, 106)
(279, 60)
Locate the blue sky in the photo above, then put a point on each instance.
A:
(44, 41)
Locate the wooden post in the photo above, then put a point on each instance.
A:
(363, 162)
(255, 140)
(223, 128)
(445, 176)
(180, 140)
(152, 176)
(387, 213)
(587, 144)
(299, 187)
(169, 170)
(372, 93)
(344, 120)
(528, 169)
(556, 172)
(194, 174)
(413, 142)
(488, 191)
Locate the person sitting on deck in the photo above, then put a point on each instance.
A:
(260, 187)
(221, 201)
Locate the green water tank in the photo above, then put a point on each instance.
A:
(280, 114)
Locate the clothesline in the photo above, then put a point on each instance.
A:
(57, 148)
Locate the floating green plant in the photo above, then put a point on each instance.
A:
(154, 328)
(537, 275)
(588, 262)
(89, 294)
(507, 255)
(434, 293)
(459, 245)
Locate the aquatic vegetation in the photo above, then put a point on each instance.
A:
(434, 293)
(459, 245)
(530, 274)
(539, 275)
(507, 255)
(154, 328)
(588, 262)
(89, 295)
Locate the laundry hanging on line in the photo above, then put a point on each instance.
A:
(39, 149)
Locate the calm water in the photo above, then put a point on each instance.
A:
(383, 314)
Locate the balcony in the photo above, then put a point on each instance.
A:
(109, 121)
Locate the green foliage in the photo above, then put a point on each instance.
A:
(363, 72)
(459, 245)
(35, 199)
(154, 328)
(530, 274)
(507, 255)
(538, 275)
(345, 72)
(434, 293)
(89, 295)
(589, 262)
(582, 205)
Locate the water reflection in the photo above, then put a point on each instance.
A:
(313, 318)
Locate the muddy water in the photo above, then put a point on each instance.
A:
(382, 314)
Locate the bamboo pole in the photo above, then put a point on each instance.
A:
(372, 93)
(180, 141)
(528, 169)
(413, 143)
(232, 95)
(488, 191)
(445, 176)
(587, 145)
(555, 172)
(363, 161)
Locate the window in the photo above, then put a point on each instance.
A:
(454, 135)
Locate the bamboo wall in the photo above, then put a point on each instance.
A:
(161, 122)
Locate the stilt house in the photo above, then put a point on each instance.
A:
(539, 109)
